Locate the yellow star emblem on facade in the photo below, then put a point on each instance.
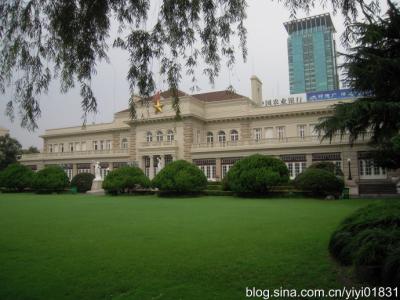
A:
(157, 105)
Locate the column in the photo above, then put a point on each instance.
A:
(218, 169)
(309, 159)
(74, 170)
(151, 171)
(163, 160)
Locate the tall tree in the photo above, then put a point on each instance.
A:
(373, 67)
(30, 150)
(9, 151)
(72, 36)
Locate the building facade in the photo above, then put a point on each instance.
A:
(312, 54)
(215, 130)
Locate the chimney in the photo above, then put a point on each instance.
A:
(256, 90)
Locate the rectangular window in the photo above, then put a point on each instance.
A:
(280, 132)
(102, 145)
(56, 148)
(313, 132)
(77, 146)
(50, 148)
(95, 146)
(257, 134)
(61, 147)
(301, 131)
(71, 147)
(83, 146)
(108, 145)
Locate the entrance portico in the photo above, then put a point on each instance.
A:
(152, 163)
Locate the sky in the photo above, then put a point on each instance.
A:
(267, 59)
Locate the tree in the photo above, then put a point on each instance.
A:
(30, 150)
(41, 40)
(9, 150)
(372, 67)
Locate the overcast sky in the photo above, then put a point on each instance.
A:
(267, 59)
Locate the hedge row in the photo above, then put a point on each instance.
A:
(369, 239)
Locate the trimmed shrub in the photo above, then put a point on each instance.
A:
(180, 177)
(256, 175)
(391, 269)
(16, 178)
(125, 180)
(369, 239)
(327, 166)
(319, 183)
(82, 182)
(50, 179)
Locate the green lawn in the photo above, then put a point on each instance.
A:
(144, 247)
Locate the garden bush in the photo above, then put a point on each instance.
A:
(327, 166)
(369, 239)
(319, 183)
(125, 180)
(50, 179)
(180, 177)
(16, 178)
(256, 175)
(82, 182)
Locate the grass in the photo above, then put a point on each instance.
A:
(144, 247)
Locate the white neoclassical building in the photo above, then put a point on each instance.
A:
(215, 130)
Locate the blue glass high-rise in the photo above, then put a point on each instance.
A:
(312, 54)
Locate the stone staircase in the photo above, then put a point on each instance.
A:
(377, 188)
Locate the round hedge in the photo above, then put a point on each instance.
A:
(256, 175)
(82, 182)
(180, 177)
(327, 166)
(50, 179)
(16, 178)
(319, 183)
(124, 180)
(369, 239)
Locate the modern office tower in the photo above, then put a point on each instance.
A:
(312, 54)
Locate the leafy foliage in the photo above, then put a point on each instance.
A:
(372, 67)
(125, 179)
(72, 36)
(319, 183)
(50, 179)
(257, 174)
(83, 182)
(370, 239)
(9, 150)
(180, 177)
(16, 177)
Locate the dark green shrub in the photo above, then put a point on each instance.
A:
(50, 179)
(319, 183)
(16, 178)
(369, 239)
(327, 166)
(256, 175)
(180, 177)
(225, 184)
(391, 269)
(82, 182)
(125, 180)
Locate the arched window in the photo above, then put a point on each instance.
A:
(221, 136)
(210, 138)
(170, 135)
(159, 136)
(234, 135)
(124, 143)
(149, 137)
